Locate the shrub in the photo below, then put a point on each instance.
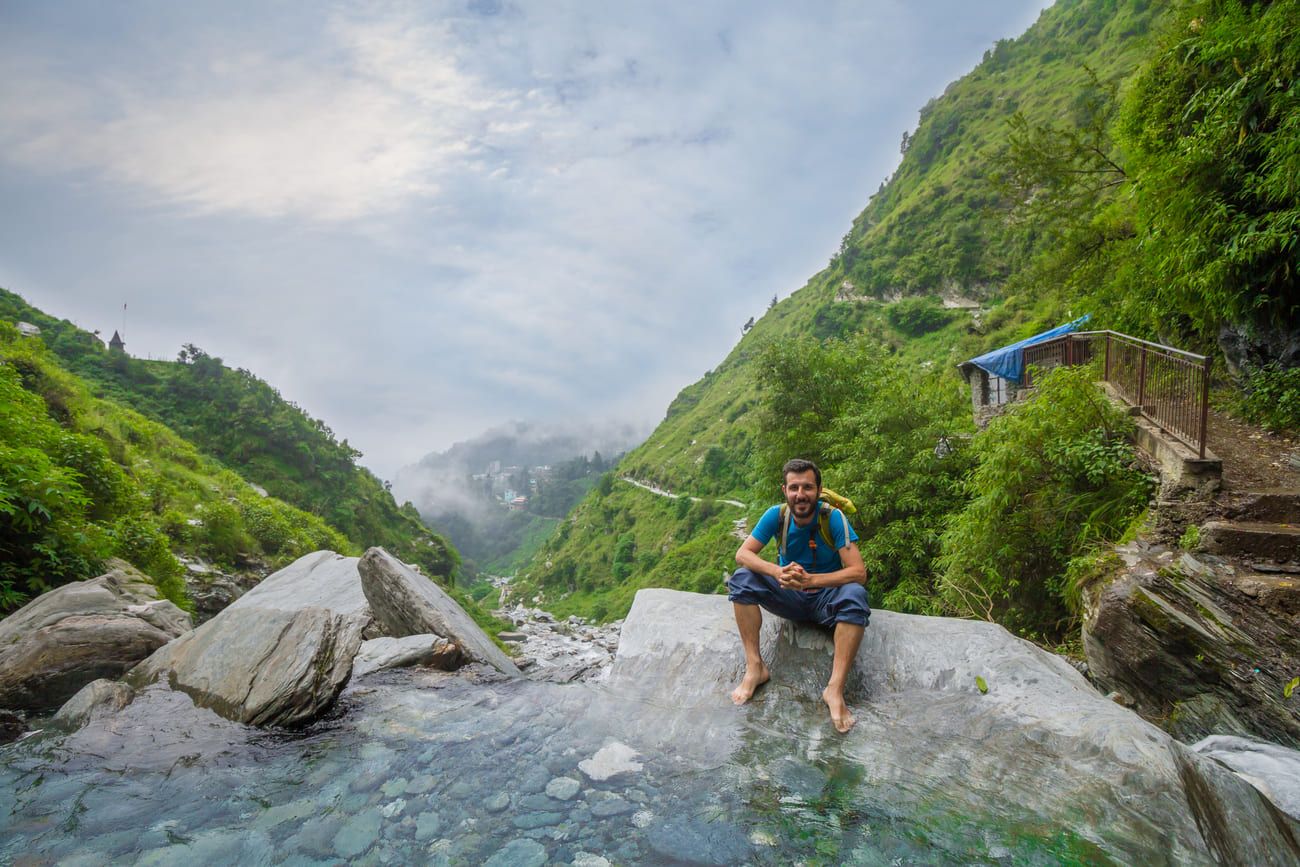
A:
(915, 316)
(1271, 397)
(141, 542)
(1054, 480)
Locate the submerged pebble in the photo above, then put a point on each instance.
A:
(563, 788)
(520, 852)
(427, 826)
(358, 834)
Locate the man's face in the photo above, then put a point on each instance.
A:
(801, 493)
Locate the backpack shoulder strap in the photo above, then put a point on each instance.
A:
(824, 524)
(784, 516)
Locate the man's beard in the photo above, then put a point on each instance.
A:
(802, 509)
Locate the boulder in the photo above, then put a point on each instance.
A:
(379, 654)
(995, 724)
(322, 579)
(260, 666)
(280, 654)
(212, 590)
(404, 602)
(99, 698)
(64, 639)
(1272, 769)
(1198, 643)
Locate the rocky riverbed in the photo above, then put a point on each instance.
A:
(560, 651)
(972, 747)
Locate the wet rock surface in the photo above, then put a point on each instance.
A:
(80, 632)
(95, 700)
(1203, 644)
(1273, 770)
(422, 766)
(1070, 744)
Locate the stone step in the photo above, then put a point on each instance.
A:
(1279, 506)
(1278, 542)
(1277, 592)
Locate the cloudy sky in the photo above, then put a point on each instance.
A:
(419, 220)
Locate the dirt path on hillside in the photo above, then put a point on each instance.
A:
(646, 486)
(1253, 459)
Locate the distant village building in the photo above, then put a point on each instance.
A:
(518, 504)
(27, 329)
(117, 344)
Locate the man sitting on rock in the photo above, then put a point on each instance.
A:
(818, 578)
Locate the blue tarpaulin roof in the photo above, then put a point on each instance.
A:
(1008, 362)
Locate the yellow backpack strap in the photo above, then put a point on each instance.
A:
(785, 527)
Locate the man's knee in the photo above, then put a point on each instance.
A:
(853, 605)
(744, 587)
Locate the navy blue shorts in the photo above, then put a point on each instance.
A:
(827, 606)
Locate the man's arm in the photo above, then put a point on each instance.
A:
(851, 571)
(748, 555)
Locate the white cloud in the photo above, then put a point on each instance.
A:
(416, 219)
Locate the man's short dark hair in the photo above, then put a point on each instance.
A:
(799, 465)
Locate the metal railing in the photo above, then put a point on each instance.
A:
(1170, 387)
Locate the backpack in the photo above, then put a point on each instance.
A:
(828, 503)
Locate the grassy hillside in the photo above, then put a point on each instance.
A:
(936, 224)
(245, 424)
(1131, 159)
(83, 479)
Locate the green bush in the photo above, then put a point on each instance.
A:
(46, 536)
(140, 541)
(915, 316)
(1271, 397)
(1055, 480)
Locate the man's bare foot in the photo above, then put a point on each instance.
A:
(753, 679)
(840, 716)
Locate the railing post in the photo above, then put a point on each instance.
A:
(1142, 378)
(1106, 376)
(1205, 402)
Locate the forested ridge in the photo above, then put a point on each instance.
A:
(1134, 160)
(245, 424)
(92, 466)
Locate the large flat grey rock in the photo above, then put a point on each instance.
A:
(322, 578)
(260, 666)
(1040, 736)
(278, 655)
(1273, 769)
(80, 632)
(404, 602)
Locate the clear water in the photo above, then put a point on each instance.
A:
(453, 769)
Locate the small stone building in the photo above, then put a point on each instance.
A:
(997, 378)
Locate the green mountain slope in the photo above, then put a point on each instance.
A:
(83, 479)
(245, 424)
(1130, 159)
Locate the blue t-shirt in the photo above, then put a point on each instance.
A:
(796, 541)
